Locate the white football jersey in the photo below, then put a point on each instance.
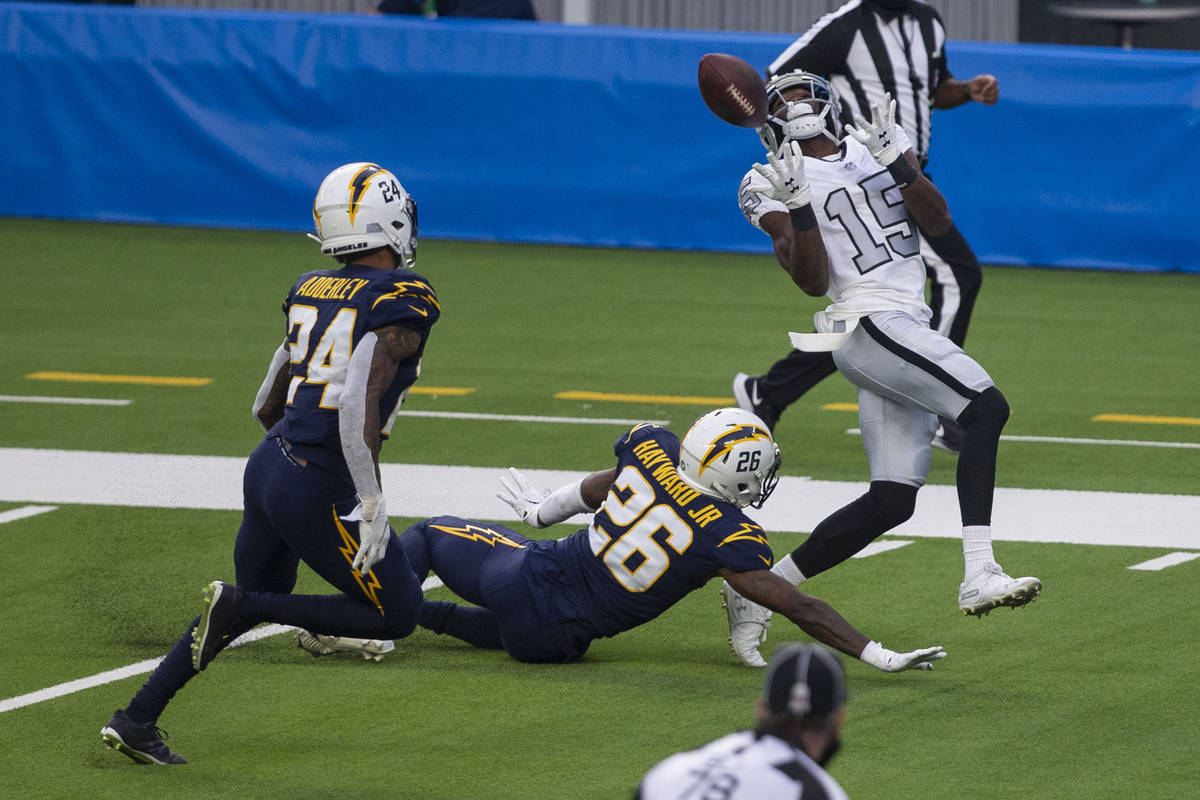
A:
(740, 766)
(874, 248)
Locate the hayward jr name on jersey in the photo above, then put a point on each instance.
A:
(655, 539)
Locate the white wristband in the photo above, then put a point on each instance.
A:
(563, 503)
(875, 655)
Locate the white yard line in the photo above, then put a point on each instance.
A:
(881, 546)
(14, 514)
(412, 490)
(1070, 440)
(1162, 562)
(143, 667)
(140, 668)
(1117, 442)
(68, 401)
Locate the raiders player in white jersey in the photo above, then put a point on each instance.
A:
(842, 216)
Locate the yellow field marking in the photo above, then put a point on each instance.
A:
(449, 390)
(609, 397)
(840, 407)
(88, 377)
(1148, 420)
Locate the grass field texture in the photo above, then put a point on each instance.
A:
(1087, 693)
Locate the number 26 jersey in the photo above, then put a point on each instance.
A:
(655, 539)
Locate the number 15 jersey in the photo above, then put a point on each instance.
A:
(874, 247)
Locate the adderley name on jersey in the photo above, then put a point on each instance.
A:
(660, 468)
(323, 287)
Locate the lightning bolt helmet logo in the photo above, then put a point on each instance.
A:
(729, 454)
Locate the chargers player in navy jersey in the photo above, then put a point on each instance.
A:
(352, 347)
(667, 518)
(842, 214)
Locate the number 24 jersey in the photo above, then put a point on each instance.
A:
(328, 313)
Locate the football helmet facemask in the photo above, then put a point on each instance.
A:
(362, 206)
(729, 454)
(796, 120)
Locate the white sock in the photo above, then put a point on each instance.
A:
(786, 568)
(977, 549)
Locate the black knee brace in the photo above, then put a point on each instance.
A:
(895, 503)
(982, 420)
(988, 410)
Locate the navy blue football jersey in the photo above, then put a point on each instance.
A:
(655, 539)
(328, 313)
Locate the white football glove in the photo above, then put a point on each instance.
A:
(373, 533)
(879, 135)
(789, 184)
(519, 493)
(880, 657)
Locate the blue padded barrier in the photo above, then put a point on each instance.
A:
(540, 132)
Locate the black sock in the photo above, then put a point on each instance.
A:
(852, 527)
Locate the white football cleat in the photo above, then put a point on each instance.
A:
(991, 588)
(321, 645)
(748, 623)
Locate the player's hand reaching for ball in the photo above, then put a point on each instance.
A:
(785, 174)
(879, 135)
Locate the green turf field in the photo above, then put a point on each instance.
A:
(1087, 693)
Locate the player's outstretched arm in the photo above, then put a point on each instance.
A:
(819, 620)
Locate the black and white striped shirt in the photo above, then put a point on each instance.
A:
(864, 52)
(746, 765)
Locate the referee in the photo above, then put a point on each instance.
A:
(867, 48)
(800, 720)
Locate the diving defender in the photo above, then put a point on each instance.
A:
(666, 519)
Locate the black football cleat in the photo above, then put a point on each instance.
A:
(219, 615)
(141, 742)
(749, 398)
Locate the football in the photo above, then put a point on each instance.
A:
(733, 90)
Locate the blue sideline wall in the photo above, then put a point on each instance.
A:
(539, 132)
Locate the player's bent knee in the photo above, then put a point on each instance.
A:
(896, 502)
(398, 623)
(989, 409)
